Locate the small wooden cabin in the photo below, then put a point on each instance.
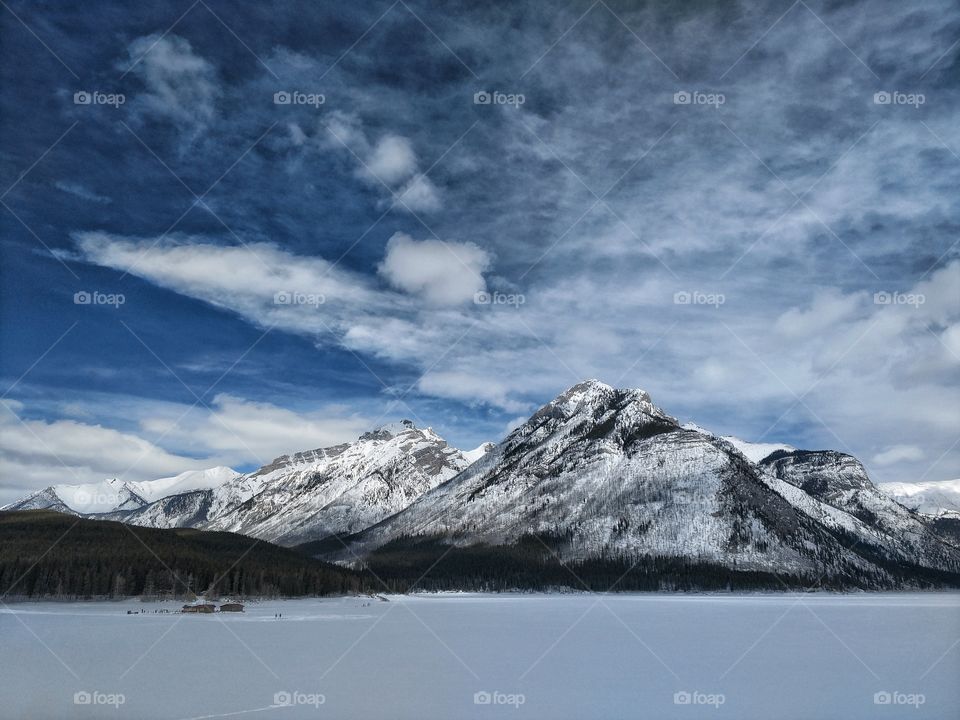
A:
(200, 607)
(231, 607)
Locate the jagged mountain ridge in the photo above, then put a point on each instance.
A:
(334, 490)
(118, 496)
(605, 473)
(328, 491)
(345, 488)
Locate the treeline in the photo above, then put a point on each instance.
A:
(423, 563)
(50, 555)
(430, 564)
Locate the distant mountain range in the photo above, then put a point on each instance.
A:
(116, 496)
(296, 498)
(933, 497)
(600, 479)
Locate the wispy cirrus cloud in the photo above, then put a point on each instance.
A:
(180, 85)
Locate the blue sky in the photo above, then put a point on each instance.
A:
(386, 246)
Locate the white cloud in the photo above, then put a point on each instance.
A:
(245, 279)
(419, 195)
(951, 340)
(393, 159)
(81, 192)
(828, 308)
(180, 84)
(898, 453)
(442, 273)
(470, 388)
(297, 135)
(254, 432)
(34, 453)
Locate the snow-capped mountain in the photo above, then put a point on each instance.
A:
(341, 489)
(317, 493)
(117, 496)
(597, 474)
(306, 496)
(933, 497)
(603, 473)
(83, 498)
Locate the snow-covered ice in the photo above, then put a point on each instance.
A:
(483, 656)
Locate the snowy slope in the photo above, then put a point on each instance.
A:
(935, 497)
(604, 472)
(754, 452)
(84, 498)
(46, 499)
(341, 489)
(185, 482)
(840, 481)
(119, 497)
(478, 452)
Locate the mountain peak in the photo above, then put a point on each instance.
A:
(589, 387)
(593, 395)
(391, 430)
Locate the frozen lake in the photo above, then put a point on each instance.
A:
(476, 656)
